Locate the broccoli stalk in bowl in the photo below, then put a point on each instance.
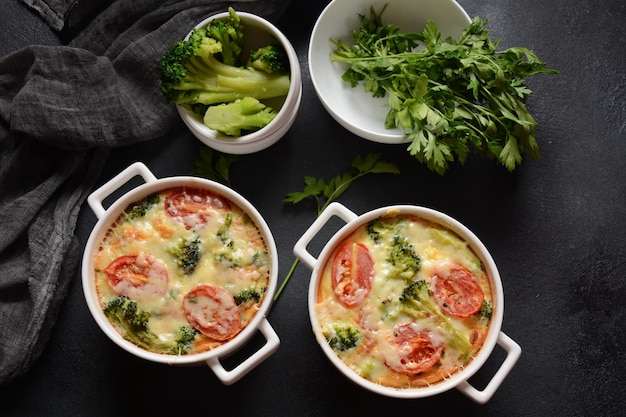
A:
(246, 114)
(208, 69)
(191, 73)
(269, 58)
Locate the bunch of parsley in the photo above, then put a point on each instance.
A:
(450, 98)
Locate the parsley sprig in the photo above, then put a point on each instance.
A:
(215, 166)
(325, 192)
(450, 98)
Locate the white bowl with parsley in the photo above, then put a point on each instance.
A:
(354, 108)
(425, 74)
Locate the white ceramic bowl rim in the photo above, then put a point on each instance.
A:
(269, 134)
(109, 215)
(353, 108)
(494, 334)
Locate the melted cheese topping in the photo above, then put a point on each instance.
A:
(376, 354)
(234, 256)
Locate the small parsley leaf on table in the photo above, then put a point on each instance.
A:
(213, 165)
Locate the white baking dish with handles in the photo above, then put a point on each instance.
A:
(459, 380)
(106, 217)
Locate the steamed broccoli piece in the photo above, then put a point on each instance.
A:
(132, 322)
(246, 114)
(416, 298)
(377, 228)
(199, 70)
(229, 33)
(139, 209)
(343, 337)
(223, 235)
(187, 254)
(485, 312)
(251, 294)
(186, 336)
(191, 73)
(133, 325)
(403, 258)
(269, 58)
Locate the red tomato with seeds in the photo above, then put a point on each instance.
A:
(213, 311)
(192, 207)
(415, 350)
(456, 291)
(137, 276)
(352, 273)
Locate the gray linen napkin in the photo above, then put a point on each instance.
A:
(61, 109)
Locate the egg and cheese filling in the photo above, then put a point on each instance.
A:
(424, 302)
(181, 271)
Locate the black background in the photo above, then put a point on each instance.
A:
(555, 228)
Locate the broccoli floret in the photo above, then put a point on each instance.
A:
(403, 258)
(186, 336)
(250, 294)
(485, 312)
(416, 298)
(228, 259)
(269, 58)
(197, 70)
(131, 321)
(375, 230)
(343, 337)
(246, 114)
(380, 228)
(222, 233)
(187, 254)
(229, 33)
(139, 209)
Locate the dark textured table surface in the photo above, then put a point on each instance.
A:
(555, 227)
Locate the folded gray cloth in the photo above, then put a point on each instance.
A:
(54, 12)
(61, 109)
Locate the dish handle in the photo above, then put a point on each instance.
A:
(333, 209)
(513, 351)
(96, 198)
(271, 345)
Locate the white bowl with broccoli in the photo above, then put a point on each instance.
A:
(235, 80)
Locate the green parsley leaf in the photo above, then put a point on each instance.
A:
(325, 192)
(213, 165)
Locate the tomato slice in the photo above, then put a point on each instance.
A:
(457, 291)
(213, 311)
(352, 273)
(415, 350)
(192, 207)
(137, 276)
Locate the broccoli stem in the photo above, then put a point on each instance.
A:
(210, 81)
(416, 297)
(246, 114)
